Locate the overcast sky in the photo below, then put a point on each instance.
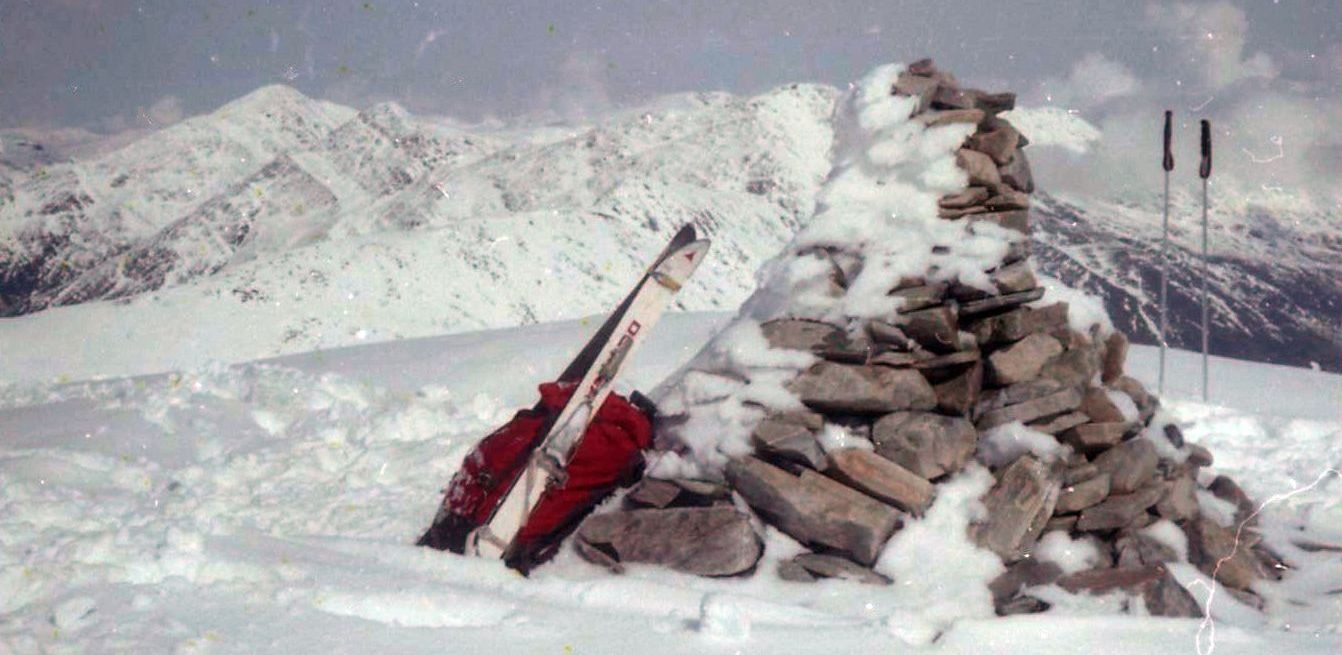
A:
(81, 62)
(1267, 70)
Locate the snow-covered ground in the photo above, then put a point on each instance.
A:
(270, 507)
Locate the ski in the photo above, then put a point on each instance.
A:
(629, 328)
(578, 367)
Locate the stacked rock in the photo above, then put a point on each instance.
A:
(921, 389)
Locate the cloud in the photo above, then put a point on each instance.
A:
(580, 91)
(1054, 127)
(1210, 39)
(164, 112)
(1275, 134)
(1093, 81)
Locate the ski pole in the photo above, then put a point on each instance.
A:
(1205, 171)
(1167, 162)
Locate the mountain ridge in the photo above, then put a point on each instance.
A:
(196, 213)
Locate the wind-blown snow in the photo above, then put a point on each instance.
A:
(1003, 444)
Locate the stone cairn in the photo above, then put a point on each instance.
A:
(922, 386)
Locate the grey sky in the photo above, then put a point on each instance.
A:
(88, 62)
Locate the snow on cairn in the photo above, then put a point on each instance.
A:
(876, 224)
(905, 399)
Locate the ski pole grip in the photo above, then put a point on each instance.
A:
(1205, 170)
(1168, 161)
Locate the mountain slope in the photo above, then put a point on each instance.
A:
(1275, 291)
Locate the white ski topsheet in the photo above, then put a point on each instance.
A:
(272, 508)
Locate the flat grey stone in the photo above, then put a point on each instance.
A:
(1100, 407)
(947, 360)
(959, 394)
(1018, 393)
(1055, 403)
(1130, 464)
(1079, 472)
(793, 572)
(1218, 552)
(1166, 597)
(920, 296)
(1080, 495)
(933, 328)
(974, 195)
(998, 143)
(1060, 423)
(1102, 581)
(920, 87)
(930, 445)
(1021, 605)
(1136, 549)
(830, 566)
(980, 167)
(1115, 356)
(1074, 368)
(814, 509)
(1016, 173)
(788, 440)
(1022, 575)
(712, 541)
(849, 388)
(1007, 200)
(1199, 456)
(1018, 506)
(1014, 278)
(1180, 502)
(799, 334)
(952, 116)
(1226, 489)
(1094, 437)
(654, 493)
(996, 103)
(1118, 511)
(961, 212)
(823, 339)
(885, 333)
(951, 97)
(1062, 523)
(1016, 220)
(881, 479)
(1146, 403)
(1022, 361)
(1018, 324)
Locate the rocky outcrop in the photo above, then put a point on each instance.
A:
(917, 391)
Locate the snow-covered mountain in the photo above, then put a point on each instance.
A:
(1274, 277)
(281, 223)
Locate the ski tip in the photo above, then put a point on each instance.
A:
(679, 264)
(694, 252)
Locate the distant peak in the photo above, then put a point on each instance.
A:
(271, 95)
(389, 108)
